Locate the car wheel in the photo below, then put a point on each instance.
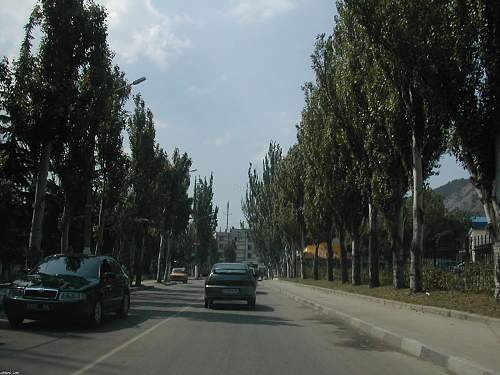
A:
(251, 303)
(185, 281)
(15, 321)
(123, 312)
(95, 318)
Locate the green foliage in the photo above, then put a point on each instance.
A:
(444, 231)
(259, 207)
(205, 220)
(473, 278)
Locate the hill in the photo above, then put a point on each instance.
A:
(460, 194)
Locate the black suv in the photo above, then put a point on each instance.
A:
(73, 286)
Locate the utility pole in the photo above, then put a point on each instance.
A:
(227, 217)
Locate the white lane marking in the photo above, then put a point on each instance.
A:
(131, 341)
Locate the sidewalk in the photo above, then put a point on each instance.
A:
(461, 346)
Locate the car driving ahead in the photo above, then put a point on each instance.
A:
(230, 282)
(83, 287)
(179, 274)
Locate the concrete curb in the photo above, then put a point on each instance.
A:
(408, 306)
(456, 365)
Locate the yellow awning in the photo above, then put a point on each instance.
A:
(322, 251)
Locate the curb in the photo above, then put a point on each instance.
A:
(426, 309)
(456, 365)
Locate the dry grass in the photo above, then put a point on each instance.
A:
(482, 304)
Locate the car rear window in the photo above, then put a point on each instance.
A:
(230, 270)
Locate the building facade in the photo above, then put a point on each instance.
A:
(245, 251)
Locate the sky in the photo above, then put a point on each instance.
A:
(224, 77)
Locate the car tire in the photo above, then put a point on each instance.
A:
(123, 312)
(15, 321)
(95, 316)
(185, 282)
(251, 303)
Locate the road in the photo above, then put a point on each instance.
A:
(170, 332)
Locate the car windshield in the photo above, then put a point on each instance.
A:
(178, 270)
(69, 266)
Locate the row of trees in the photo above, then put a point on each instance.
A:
(397, 85)
(66, 184)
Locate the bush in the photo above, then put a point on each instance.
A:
(474, 278)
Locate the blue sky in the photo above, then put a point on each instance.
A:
(224, 77)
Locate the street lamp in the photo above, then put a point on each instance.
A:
(136, 82)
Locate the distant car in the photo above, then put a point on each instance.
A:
(230, 282)
(179, 274)
(83, 287)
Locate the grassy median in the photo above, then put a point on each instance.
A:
(477, 303)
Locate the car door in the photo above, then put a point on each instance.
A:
(110, 291)
(121, 284)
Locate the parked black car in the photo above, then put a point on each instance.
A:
(230, 282)
(69, 286)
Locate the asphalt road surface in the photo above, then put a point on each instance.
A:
(170, 332)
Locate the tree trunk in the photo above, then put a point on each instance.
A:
(287, 263)
(87, 226)
(496, 223)
(100, 231)
(65, 224)
(418, 219)
(303, 246)
(329, 260)
(343, 259)
(36, 231)
(139, 258)
(397, 249)
(160, 257)
(356, 260)
(373, 251)
(167, 257)
(315, 263)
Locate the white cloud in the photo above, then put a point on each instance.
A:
(219, 141)
(139, 30)
(13, 17)
(199, 90)
(258, 10)
(159, 124)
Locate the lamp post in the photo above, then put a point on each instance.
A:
(136, 82)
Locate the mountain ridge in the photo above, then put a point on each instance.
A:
(460, 194)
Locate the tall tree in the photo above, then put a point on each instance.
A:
(258, 209)
(474, 68)
(144, 169)
(175, 206)
(204, 218)
(410, 37)
(44, 91)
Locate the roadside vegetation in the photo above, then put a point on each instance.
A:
(397, 85)
(68, 183)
